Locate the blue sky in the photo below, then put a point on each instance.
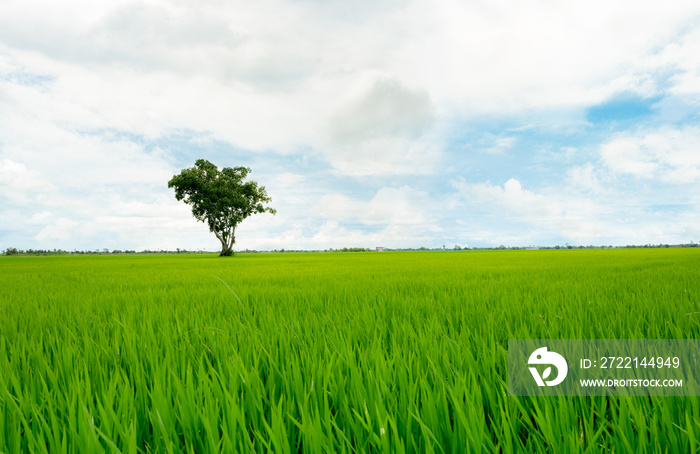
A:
(384, 123)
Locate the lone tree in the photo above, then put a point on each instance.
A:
(220, 198)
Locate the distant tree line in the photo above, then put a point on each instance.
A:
(37, 252)
(11, 251)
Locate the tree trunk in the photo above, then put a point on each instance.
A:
(227, 246)
(226, 250)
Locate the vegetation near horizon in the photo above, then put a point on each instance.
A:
(12, 251)
(382, 352)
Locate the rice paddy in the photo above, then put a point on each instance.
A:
(330, 352)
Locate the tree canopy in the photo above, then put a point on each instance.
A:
(220, 198)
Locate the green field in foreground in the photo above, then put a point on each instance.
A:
(330, 352)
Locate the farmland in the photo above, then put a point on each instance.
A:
(330, 352)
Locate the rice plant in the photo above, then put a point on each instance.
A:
(370, 352)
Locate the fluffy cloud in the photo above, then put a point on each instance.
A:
(19, 185)
(501, 57)
(536, 216)
(397, 206)
(513, 200)
(502, 145)
(61, 231)
(332, 234)
(269, 74)
(579, 210)
(586, 178)
(681, 55)
(382, 127)
(393, 217)
(383, 107)
(374, 94)
(669, 155)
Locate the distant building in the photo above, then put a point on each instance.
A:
(379, 249)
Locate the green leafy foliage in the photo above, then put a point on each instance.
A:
(220, 198)
(374, 352)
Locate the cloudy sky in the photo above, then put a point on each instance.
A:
(370, 123)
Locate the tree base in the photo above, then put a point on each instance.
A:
(226, 253)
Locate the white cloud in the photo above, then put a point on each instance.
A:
(476, 49)
(585, 177)
(513, 199)
(375, 91)
(382, 127)
(40, 218)
(393, 217)
(262, 80)
(579, 210)
(502, 145)
(556, 213)
(398, 206)
(507, 56)
(681, 56)
(61, 230)
(667, 154)
(389, 206)
(19, 185)
(289, 180)
(381, 107)
(333, 234)
(339, 206)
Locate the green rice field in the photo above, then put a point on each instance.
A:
(330, 352)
